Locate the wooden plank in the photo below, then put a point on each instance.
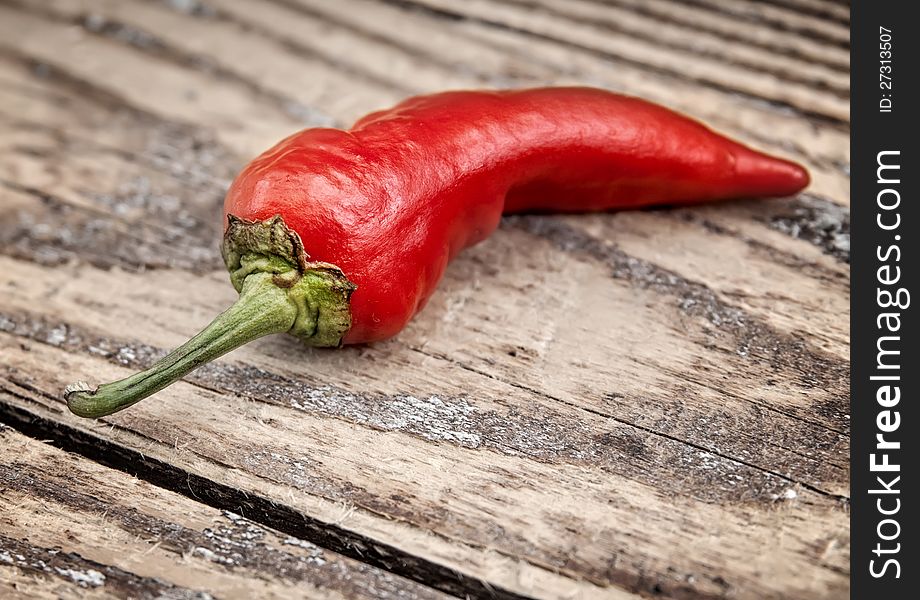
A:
(677, 38)
(486, 506)
(724, 23)
(822, 9)
(205, 158)
(458, 423)
(673, 421)
(239, 116)
(378, 60)
(783, 18)
(699, 69)
(522, 60)
(232, 52)
(73, 528)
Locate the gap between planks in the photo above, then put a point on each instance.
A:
(95, 528)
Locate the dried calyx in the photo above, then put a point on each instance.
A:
(280, 291)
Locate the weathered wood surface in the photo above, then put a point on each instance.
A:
(635, 404)
(81, 529)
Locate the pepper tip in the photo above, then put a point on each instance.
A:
(797, 176)
(767, 175)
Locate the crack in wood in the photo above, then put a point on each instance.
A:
(231, 543)
(751, 338)
(729, 422)
(605, 442)
(255, 508)
(546, 435)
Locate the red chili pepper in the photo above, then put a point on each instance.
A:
(342, 236)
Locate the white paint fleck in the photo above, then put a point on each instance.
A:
(87, 578)
(126, 355)
(316, 553)
(430, 417)
(57, 336)
(212, 556)
(292, 541)
(789, 494)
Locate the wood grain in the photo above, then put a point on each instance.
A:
(635, 404)
(72, 526)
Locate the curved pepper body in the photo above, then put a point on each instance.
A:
(387, 204)
(395, 198)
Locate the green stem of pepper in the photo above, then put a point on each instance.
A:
(280, 291)
(263, 308)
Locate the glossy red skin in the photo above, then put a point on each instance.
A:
(392, 200)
